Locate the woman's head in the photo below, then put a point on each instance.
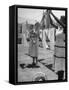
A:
(31, 27)
(37, 26)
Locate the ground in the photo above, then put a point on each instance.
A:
(45, 61)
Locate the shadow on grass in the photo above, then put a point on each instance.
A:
(23, 66)
(49, 66)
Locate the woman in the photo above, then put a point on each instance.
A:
(33, 44)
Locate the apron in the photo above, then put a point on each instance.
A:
(33, 45)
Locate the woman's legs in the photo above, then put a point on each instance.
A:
(34, 60)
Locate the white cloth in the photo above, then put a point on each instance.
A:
(45, 31)
(50, 33)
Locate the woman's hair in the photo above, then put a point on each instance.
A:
(31, 26)
(37, 26)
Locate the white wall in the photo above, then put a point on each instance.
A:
(4, 44)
